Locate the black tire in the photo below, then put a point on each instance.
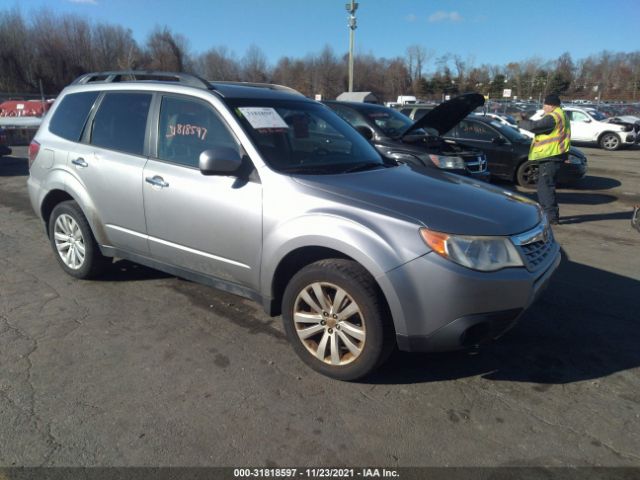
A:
(372, 317)
(93, 263)
(527, 174)
(610, 141)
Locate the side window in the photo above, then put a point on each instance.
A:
(578, 117)
(420, 112)
(475, 131)
(351, 116)
(453, 132)
(121, 122)
(187, 128)
(71, 115)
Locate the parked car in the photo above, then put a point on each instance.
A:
(590, 126)
(507, 120)
(416, 111)
(4, 147)
(259, 191)
(418, 143)
(507, 151)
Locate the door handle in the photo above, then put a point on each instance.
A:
(157, 181)
(80, 162)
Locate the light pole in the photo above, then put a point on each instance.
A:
(351, 8)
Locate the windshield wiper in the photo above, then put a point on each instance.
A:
(360, 167)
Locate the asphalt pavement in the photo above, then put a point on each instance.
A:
(142, 368)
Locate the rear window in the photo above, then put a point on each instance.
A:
(121, 121)
(71, 115)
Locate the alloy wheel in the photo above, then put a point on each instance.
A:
(610, 142)
(329, 323)
(69, 241)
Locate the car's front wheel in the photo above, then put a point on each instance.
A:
(527, 174)
(610, 141)
(73, 242)
(336, 319)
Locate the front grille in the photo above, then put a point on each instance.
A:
(535, 245)
(476, 164)
(535, 253)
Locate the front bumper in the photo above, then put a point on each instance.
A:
(441, 306)
(628, 138)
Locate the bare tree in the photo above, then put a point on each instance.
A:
(166, 51)
(16, 54)
(114, 48)
(218, 64)
(417, 58)
(254, 65)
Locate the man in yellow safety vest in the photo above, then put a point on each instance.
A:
(549, 149)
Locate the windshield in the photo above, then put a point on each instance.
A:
(391, 122)
(597, 115)
(512, 133)
(304, 137)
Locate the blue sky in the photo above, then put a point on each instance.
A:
(484, 31)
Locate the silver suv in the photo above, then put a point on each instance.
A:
(259, 191)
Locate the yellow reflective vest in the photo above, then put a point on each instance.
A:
(554, 143)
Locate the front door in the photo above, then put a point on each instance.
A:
(581, 126)
(211, 225)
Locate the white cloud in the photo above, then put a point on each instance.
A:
(411, 18)
(442, 16)
(86, 2)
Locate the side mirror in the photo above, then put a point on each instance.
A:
(588, 120)
(220, 161)
(498, 140)
(366, 132)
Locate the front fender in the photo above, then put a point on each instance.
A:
(376, 251)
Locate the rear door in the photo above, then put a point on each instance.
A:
(211, 225)
(109, 162)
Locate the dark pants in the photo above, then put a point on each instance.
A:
(547, 174)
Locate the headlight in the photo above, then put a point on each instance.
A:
(442, 161)
(403, 157)
(487, 254)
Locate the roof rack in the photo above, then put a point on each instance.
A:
(186, 79)
(270, 86)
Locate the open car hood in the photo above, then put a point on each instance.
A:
(448, 114)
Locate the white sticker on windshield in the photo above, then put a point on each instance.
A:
(262, 118)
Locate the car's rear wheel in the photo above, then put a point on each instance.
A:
(610, 141)
(336, 319)
(527, 174)
(73, 242)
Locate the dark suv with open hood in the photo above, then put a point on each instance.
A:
(419, 143)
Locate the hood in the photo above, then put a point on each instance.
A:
(440, 201)
(448, 114)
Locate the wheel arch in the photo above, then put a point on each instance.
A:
(301, 257)
(518, 164)
(602, 134)
(53, 198)
(68, 188)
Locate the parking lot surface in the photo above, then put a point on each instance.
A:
(142, 368)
